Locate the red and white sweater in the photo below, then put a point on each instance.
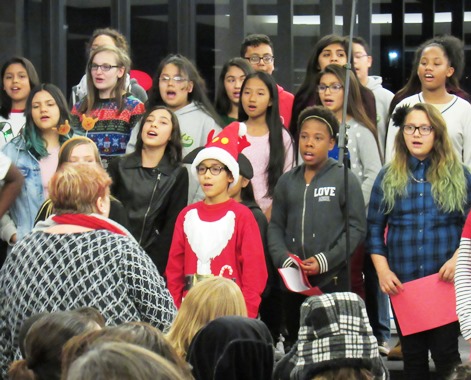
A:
(223, 240)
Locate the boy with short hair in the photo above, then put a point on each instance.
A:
(362, 61)
(377, 303)
(218, 236)
(308, 216)
(258, 50)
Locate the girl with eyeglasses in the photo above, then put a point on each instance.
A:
(152, 184)
(178, 85)
(423, 195)
(437, 68)
(100, 37)
(108, 113)
(271, 152)
(228, 92)
(218, 236)
(362, 142)
(330, 49)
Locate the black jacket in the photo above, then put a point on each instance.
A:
(153, 198)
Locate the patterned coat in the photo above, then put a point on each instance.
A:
(49, 272)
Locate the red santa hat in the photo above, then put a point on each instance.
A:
(225, 147)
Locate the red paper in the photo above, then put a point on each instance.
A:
(425, 304)
(296, 279)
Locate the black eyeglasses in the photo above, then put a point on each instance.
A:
(334, 88)
(255, 59)
(176, 79)
(424, 130)
(105, 67)
(214, 170)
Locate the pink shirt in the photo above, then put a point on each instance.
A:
(48, 166)
(258, 154)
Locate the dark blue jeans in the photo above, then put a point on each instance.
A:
(442, 342)
(377, 303)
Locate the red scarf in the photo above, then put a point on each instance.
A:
(88, 221)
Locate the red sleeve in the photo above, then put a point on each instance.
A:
(253, 266)
(467, 228)
(285, 104)
(175, 271)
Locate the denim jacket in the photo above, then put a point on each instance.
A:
(26, 206)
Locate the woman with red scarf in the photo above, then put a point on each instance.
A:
(78, 257)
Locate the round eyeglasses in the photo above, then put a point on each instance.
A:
(255, 59)
(214, 170)
(424, 130)
(334, 88)
(105, 67)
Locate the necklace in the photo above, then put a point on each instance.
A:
(418, 180)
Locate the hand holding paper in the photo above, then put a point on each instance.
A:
(310, 266)
(424, 304)
(296, 279)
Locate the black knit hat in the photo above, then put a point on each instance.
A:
(334, 332)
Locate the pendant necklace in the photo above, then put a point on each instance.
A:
(418, 180)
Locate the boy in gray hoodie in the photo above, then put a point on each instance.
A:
(362, 61)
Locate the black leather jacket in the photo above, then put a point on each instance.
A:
(153, 198)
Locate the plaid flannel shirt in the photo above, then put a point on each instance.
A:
(420, 237)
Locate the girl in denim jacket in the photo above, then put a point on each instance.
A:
(35, 153)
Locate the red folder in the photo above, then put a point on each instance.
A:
(425, 304)
(296, 279)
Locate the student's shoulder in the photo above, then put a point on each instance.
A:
(290, 175)
(410, 100)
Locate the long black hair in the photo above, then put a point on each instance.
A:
(307, 89)
(174, 146)
(454, 50)
(222, 102)
(276, 161)
(5, 100)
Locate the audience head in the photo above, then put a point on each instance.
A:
(26, 325)
(92, 314)
(166, 123)
(139, 333)
(207, 300)
(232, 348)
(122, 361)
(43, 345)
(16, 72)
(258, 50)
(334, 334)
(229, 84)
(80, 189)
(79, 149)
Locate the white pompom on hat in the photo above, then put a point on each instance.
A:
(225, 147)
